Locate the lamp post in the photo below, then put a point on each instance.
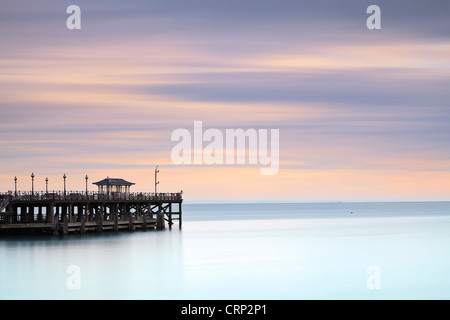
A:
(156, 182)
(64, 177)
(32, 183)
(86, 185)
(15, 186)
(46, 185)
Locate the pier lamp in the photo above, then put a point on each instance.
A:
(15, 186)
(64, 177)
(156, 182)
(32, 183)
(86, 185)
(46, 185)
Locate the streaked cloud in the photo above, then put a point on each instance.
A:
(365, 110)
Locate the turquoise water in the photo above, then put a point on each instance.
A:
(245, 251)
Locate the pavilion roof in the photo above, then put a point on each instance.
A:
(113, 182)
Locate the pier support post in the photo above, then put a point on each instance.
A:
(144, 218)
(89, 213)
(170, 216)
(30, 213)
(15, 214)
(70, 212)
(116, 216)
(65, 223)
(39, 217)
(23, 214)
(149, 211)
(116, 221)
(179, 214)
(99, 222)
(50, 216)
(131, 224)
(160, 218)
(82, 222)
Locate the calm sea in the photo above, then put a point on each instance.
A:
(245, 251)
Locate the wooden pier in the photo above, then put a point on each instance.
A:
(81, 212)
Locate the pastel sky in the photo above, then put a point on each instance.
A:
(363, 114)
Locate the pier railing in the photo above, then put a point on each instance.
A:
(88, 196)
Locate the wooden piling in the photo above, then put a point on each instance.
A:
(82, 223)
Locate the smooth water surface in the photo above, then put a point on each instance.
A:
(245, 251)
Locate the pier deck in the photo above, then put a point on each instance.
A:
(81, 212)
